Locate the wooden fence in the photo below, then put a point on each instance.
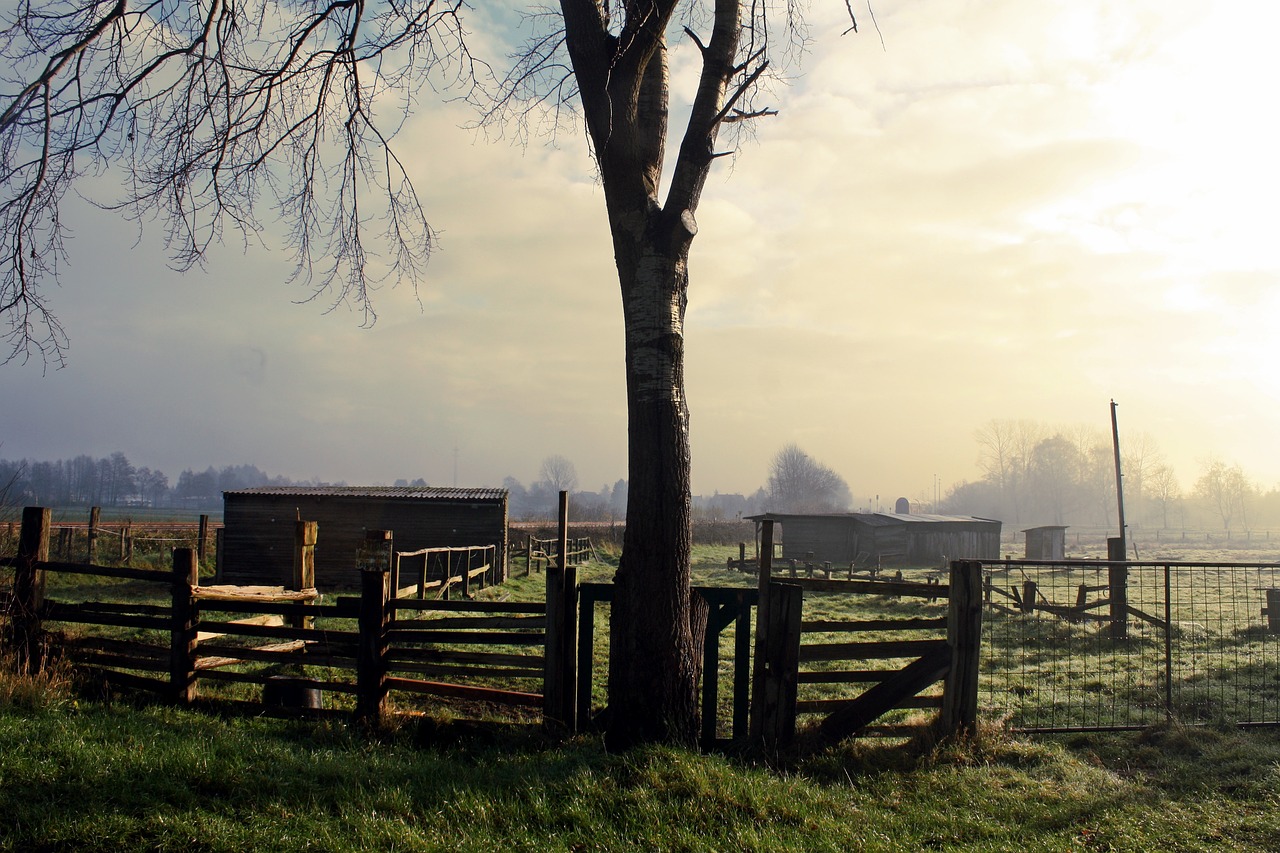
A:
(535, 655)
(538, 553)
(179, 635)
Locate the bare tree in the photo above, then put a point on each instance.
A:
(1163, 487)
(559, 474)
(213, 110)
(1226, 489)
(799, 483)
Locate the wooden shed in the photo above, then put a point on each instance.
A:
(1046, 543)
(884, 538)
(257, 544)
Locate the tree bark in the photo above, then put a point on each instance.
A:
(623, 82)
(654, 655)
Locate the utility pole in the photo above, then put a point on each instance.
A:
(1115, 443)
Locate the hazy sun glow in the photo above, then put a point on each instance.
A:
(1012, 210)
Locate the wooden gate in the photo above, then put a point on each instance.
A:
(885, 657)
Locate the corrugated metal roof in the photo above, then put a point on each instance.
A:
(874, 519)
(421, 493)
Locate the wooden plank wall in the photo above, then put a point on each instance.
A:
(258, 542)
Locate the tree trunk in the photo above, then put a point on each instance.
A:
(654, 655)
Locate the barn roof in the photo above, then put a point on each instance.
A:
(421, 493)
(874, 519)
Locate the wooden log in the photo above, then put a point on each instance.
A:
(253, 594)
(305, 534)
(183, 634)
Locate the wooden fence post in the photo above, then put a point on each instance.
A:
(202, 538)
(964, 636)
(95, 513)
(183, 634)
(559, 687)
(374, 562)
(218, 539)
(1028, 597)
(305, 534)
(781, 665)
(764, 572)
(28, 588)
(1118, 588)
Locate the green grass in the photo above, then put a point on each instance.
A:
(77, 775)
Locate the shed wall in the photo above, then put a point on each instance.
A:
(258, 537)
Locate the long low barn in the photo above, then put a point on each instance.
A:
(884, 538)
(257, 544)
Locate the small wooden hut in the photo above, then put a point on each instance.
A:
(257, 544)
(884, 538)
(1048, 542)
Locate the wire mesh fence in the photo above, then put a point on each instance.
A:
(1096, 645)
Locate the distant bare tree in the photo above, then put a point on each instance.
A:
(799, 483)
(1226, 489)
(1163, 488)
(1006, 455)
(559, 474)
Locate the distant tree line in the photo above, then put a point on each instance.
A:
(113, 481)
(1040, 474)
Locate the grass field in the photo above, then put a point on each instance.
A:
(84, 774)
(79, 775)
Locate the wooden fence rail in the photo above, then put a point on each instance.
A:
(525, 654)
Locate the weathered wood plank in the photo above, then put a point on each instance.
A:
(901, 588)
(836, 625)
(886, 695)
(464, 691)
(230, 592)
(868, 651)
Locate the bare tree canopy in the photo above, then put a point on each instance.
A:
(559, 474)
(214, 112)
(213, 115)
(800, 483)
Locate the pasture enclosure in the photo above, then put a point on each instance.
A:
(1082, 645)
(166, 633)
(163, 632)
(1045, 646)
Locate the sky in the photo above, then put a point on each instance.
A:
(983, 211)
